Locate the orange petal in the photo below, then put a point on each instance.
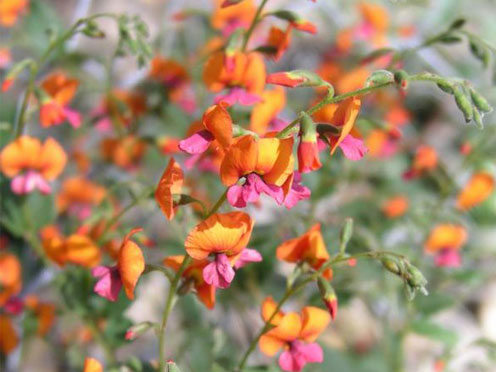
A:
(170, 183)
(92, 365)
(52, 159)
(345, 117)
(240, 160)
(218, 122)
(60, 87)
(10, 276)
(446, 236)
(23, 153)
(174, 262)
(206, 294)
(81, 250)
(270, 345)
(478, 189)
(225, 233)
(131, 264)
(268, 308)
(314, 321)
(288, 328)
(275, 161)
(8, 335)
(255, 74)
(262, 114)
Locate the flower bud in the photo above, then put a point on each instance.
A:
(480, 102)
(328, 295)
(296, 79)
(137, 330)
(308, 150)
(445, 86)
(416, 279)
(379, 77)
(401, 78)
(464, 103)
(296, 21)
(346, 233)
(391, 265)
(171, 367)
(478, 119)
(13, 72)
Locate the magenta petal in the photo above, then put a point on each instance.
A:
(353, 148)
(235, 196)
(448, 258)
(275, 192)
(247, 255)
(197, 143)
(287, 363)
(109, 283)
(104, 125)
(28, 182)
(219, 272)
(311, 352)
(14, 306)
(297, 192)
(73, 117)
(238, 95)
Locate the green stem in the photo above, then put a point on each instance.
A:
(254, 23)
(217, 205)
(327, 101)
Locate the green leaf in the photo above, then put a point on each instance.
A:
(433, 331)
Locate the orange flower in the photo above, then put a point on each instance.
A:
(10, 10)
(8, 335)
(265, 164)
(92, 365)
(395, 206)
(273, 101)
(78, 195)
(194, 272)
(230, 18)
(120, 108)
(124, 152)
(243, 73)
(54, 110)
(295, 334)
(224, 236)
(10, 276)
(279, 40)
(170, 184)
(44, 312)
(478, 189)
(425, 160)
(32, 164)
(445, 240)
(130, 266)
(78, 249)
(309, 248)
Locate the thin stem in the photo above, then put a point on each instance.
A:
(169, 304)
(218, 204)
(327, 101)
(254, 23)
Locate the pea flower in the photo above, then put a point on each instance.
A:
(78, 196)
(58, 91)
(244, 76)
(92, 365)
(309, 247)
(395, 206)
(264, 165)
(170, 184)
(295, 333)
(476, 191)
(444, 241)
(228, 19)
(43, 311)
(32, 164)
(264, 112)
(10, 10)
(194, 274)
(425, 160)
(130, 265)
(223, 237)
(10, 277)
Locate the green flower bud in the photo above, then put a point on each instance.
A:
(391, 265)
(480, 102)
(346, 233)
(464, 103)
(379, 77)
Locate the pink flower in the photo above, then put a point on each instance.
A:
(240, 195)
(353, 148)
(448, 258)
(219, 272)
(238, 95)
(299, 354)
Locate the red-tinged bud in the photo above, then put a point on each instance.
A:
(308, 149)
(439, 365)
(227, 3)
(137, 330)
(296, 78)
(130, 335)
(7, 83)
(305, 26)
(329, 297)
(171, 366)
(231, 48)
(352, 262)
(465, 148)
(401, 78)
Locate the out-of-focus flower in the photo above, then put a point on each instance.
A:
(5, 58)
(124, 152)
(224, 236)
(425, 160)
(92, 365)
(228, 19)
(44, 312)
(395, 207)
(10, 10)
(295, 333)
(444, 241)
(382, 143)
(343, 116)
(78, 248)
(78, 195)
(265, 164)
(309, 248)
(194, 272)
(264, 112)
(8, 336)
(476, 191)
(10, 276)
(244, 76)
(31, 164)
(130, 265)
(170, 184)
(58, 90)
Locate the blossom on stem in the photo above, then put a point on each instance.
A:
(476, 191)
(170, 184)
(444, 241)
(78, 196)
